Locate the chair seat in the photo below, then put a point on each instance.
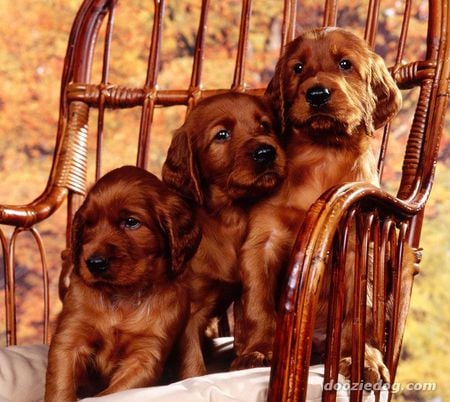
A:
(22, 379)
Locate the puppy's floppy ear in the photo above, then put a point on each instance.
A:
(179, 223)
(180, 170)
(387, 96)
(275, 93)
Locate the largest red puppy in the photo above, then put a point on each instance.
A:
(331, 93)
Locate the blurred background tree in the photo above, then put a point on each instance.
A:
(33, 40)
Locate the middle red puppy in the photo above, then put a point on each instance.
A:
(225, 157)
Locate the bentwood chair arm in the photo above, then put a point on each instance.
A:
(324, 232)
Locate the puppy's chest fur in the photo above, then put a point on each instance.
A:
(313, 170)
(223, 235)
(121, 325)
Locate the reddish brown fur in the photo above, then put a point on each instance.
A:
(118, 325)
(326, 145)
(224, 180)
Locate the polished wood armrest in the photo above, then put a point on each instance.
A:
(68, 172)
(34, 212)
(317, 243)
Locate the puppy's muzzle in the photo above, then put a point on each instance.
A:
(264, 154)
(97, 264)
(318, 96)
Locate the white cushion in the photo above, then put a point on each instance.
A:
(22, 373)
(236, 386)
(22, 379)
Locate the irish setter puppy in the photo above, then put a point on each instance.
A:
(125, 306)
(331, 93)
(225, 158)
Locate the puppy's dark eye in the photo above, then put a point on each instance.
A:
(222, 135)
(131, 223)
(265, 125)
(298, 68)
(345, 64)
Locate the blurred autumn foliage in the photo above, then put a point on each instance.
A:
(33, 40)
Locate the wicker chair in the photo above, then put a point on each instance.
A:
(383, 221)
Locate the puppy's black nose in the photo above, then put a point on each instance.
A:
(264, 154)
(97, 264)
(318, 96)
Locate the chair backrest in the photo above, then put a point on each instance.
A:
(93, 86)
(413, 65)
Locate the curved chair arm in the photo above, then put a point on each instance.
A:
(293, 342)
(34, 212)
(68, 172)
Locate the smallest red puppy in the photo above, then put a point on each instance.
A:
(125, 307)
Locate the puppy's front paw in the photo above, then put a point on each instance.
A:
(251, 360)
(374, 368)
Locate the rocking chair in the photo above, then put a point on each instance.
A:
(384, 221)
